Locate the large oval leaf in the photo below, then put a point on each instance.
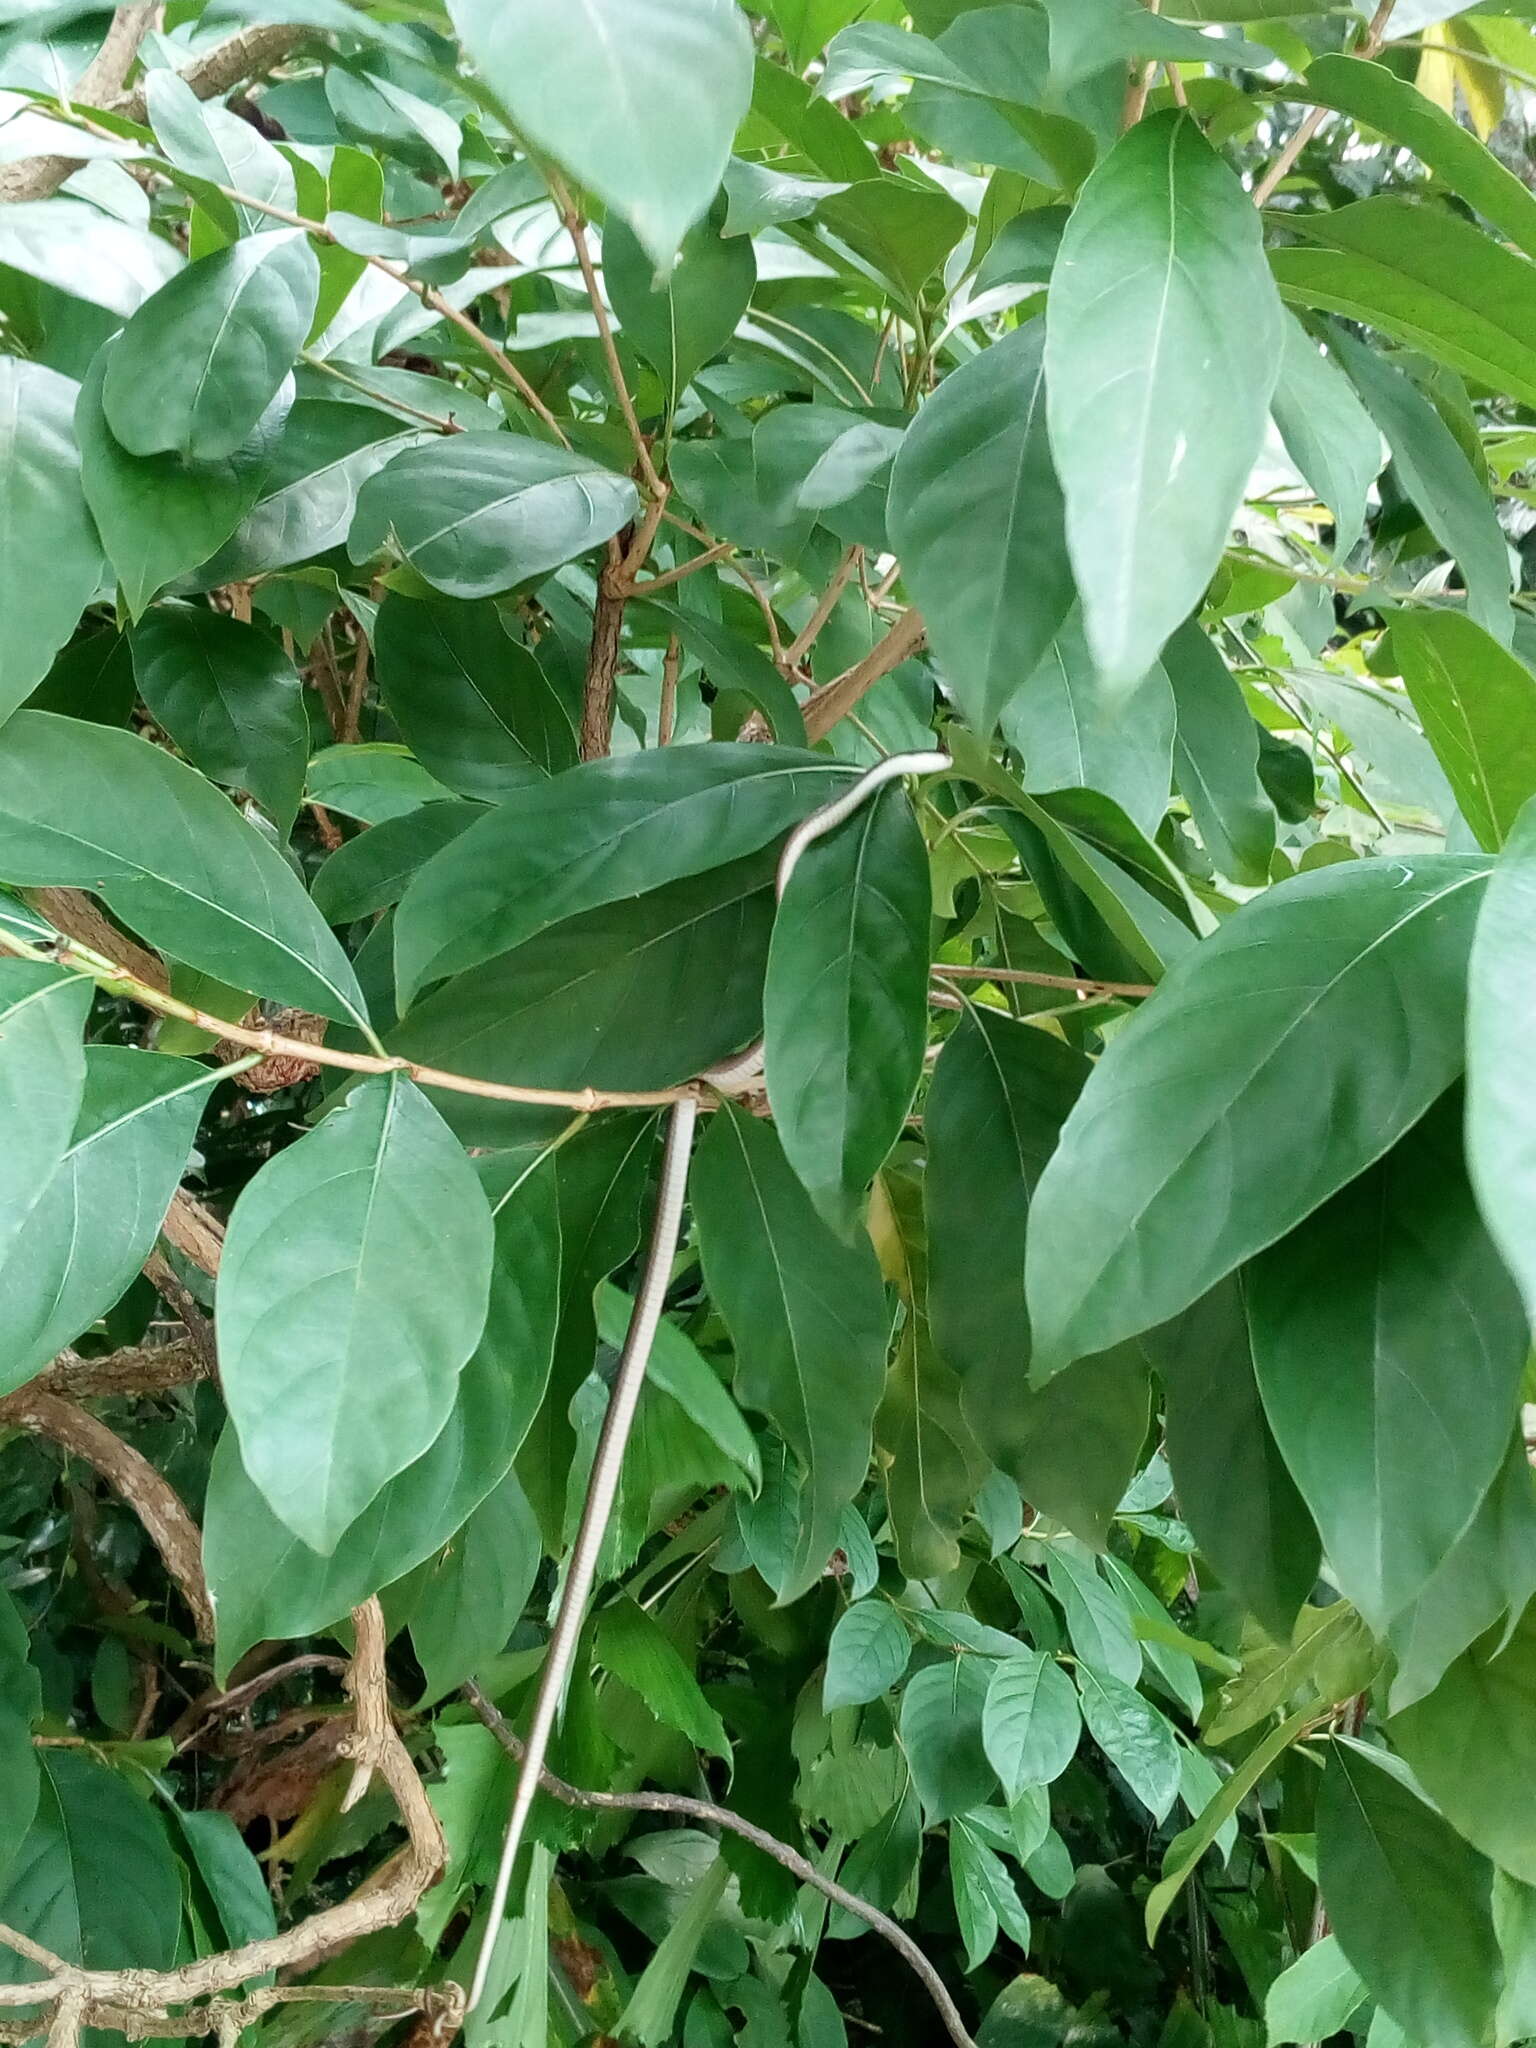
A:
(85, 807)
(353, 1288)
(50, 559)
(638, 99)
(1163, 342)
(42, 1077)
(1249, 1089)
(1477, 704)
(608, 830)
(1390, 1342)
(477, 513)
(845, 1006)
(1501, 1117)
(976, 515)
(1031, 1723)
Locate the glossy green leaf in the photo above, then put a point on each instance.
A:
(682, 318)
(866, 1656)
(611, 829)
(472, 703)
(845, 1002)
(1206, 1132)
(200, 362)
(941, 1731)
(218, 148)
(51, 560)
(808, 1316)
(228, 1876)
(1071, 1445)
(1408, 1900)
(1097, 1622)
(1501, 1133)
(470, 1599)
(1452, 499)
(902, 227)
(374, 870)
(66, 1888)
(159, 516)
(20, 1707)
(85, 807)
(1477, 704)
(71, 246)
(976, 516)
(1314, 1998)
(340, 1347)
(1216, 757)
(1153, 424)
(638, 99)
(477, 513)
(1031, 1722)
(94, 1217)
(231, 700)
(1328, 434)
(43, 1012)
(1134, 1736)
(1354, 1317)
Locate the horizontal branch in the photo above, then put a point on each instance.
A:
(1027, 977)
(721, 1817)
(136, 1370)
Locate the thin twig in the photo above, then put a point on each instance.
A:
(1030, 979)
(1283, 164)
(576, 228)
(683, 570)
(719, 1816)
(743, 575)
(810, 632)
(838, 698)
(666, 716)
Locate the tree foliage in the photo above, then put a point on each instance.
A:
(767, 886)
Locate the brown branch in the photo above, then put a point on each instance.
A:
(575, 227)
(837, 698)
(666, 716)
(195, 1232)
(1029, 979)
(1284, 163)
(601, 686)
(72, 912)
(721, 1817)
(137, 1370)
(691, 567)
(124, 1999)
(213, 1706)
(810, 633)
(173, 1290)
(156, 1503)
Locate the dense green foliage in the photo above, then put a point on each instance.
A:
(475, 477)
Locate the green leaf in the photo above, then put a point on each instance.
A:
(1314, 1999)
(1470, 1744)
(1072, 1445)
(230, 699)
(650, 2016)
(51, 562)
(1087, 36)
(82, 806)
(1453, 501)
(845, 1005)
(607, 830)
(1071, 732)
(1328, 434)
(1134, 1736)
(638, 99)
(340, 1344)
(235, 1886)
(1153, 432)
(1327, 1657)
(43, 1012)
(1354, 1316)
(1212, 1126)
(637, 1650)
(95, 1217)
(1031, 1722)
(71, 246)
(986, 1898)
(200, 362)
(941, 1732)
(1234, 1489)
(1097, 1622)
(159, 516)
(866, 1656)
(21, 1704)
(976, 516)
(684, 316)
(1408, 1900)
(1216, 759)
(1501, 1129)
(218, 148)
(374, 782)
(477, 513)
(934, 1467)
(808, 1316)
(95, 1880)
(373, 871)
(680, 1370)
(732, 663)
(809, 25)
(902, 227)
(1426, 278)
(472, 703)
(1477, 704)
(473, 1594)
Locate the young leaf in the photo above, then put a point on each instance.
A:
(1477, 704)
(1205, 1132)
(637, 1650)
(200, 362)
(638, 99)
(1163, 341)
(472, 704)
(477, 513)
(51, 562)
(1408, 1900)
(941, 1732)
(1327, 432)
(1216, 759)
(610, 829)
(976, 516)
(230, 699)
(85, 807)
(808, 1316)
(470, 1599)
(1031, 1722)
(1354, 1317)
(845, 1003)
(341, 1341)
(1134, 1736)
(866, 1656)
